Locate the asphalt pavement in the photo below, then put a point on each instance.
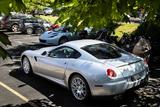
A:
(19, 90)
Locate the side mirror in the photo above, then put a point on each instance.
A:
(44, 53)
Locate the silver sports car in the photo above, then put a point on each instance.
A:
(87, 68)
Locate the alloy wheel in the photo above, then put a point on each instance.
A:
(63, 40)
(29, 30)
(79, 88)
(15, 28)
(26, 65)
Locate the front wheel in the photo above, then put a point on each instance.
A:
(26, 66)
(63, 40)
(79, 88)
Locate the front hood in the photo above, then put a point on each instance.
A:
(122, 61)
(49, 34)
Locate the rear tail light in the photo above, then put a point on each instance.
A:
(111, 73)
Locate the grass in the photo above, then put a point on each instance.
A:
(50, 18)
(125, 28)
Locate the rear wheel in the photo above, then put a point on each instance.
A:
(26, 66)
(63, 40)
(29, 31)
(79, 88)
(15, 28)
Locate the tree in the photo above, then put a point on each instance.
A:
(99, 13)
(37, 4)
(4, 41)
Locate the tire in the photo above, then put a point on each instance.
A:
(39, 31)
(15, 28)
(29, 30)
(26, 66)
(62, 40)
(79, 88)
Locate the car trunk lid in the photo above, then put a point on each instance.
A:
(127, 64)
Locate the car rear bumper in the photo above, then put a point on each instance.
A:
(118, 87)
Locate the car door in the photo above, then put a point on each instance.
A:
(55, 63)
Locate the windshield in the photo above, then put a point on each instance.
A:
(104, 51)
(61, 29)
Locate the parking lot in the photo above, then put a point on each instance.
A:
(16, 89)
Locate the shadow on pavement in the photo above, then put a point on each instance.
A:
(33, 103)
(155, 74)
(16, 52)
(22, 105)
(148, 96)
(57, 94)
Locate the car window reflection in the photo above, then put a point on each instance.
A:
(64, 52)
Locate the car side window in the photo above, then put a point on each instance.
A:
(64, 52)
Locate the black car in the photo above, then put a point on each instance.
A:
(11, 23)
(31, 25)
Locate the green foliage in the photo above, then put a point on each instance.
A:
(5, 41)
(50, 19)
(126, 28)
(37, 4)
(148, 28)
(99, 13)
(11, 5)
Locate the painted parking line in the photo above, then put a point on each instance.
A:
(17, 94)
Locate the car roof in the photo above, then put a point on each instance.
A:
(82, 43)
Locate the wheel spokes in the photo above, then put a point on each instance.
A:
(78, 87)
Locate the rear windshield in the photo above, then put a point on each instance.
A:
(103, 51)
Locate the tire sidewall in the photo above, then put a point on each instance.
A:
(30, 72)
(87, 88)
(61, 39)
(13, 26)
(29, 29)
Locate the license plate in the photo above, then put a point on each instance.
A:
(135, 77)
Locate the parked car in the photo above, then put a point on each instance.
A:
(31, 25)
(24, 23)
(48, 11)
(87, 68)
(56, 36)
(11, 23)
